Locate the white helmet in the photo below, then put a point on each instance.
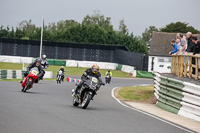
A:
(44, 56)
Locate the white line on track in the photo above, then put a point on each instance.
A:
(113, 90)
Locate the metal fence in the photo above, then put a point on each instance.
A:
(74, 51)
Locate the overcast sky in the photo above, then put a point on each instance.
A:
(137, 14)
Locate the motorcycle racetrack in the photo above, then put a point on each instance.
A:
(47, 108)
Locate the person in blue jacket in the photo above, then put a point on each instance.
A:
(173, 43)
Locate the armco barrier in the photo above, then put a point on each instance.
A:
(177, 96)
(76, 63)
(19, 74)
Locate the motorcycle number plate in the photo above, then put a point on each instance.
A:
(34, 72)
(94, 80)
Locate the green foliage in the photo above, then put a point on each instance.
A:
(147, 35)
(94, 29)
(138, 93)
(179, 27)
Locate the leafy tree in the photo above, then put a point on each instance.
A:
(147, 35)
(98, 19)
(28, 28)
(179, 27)
(4, 31)
(122, 27)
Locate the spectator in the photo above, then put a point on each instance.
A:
(183, 43)
(196, 42)
(178, 46)
(177, 35)
(196, 50)
(173, 43)
(190, 44)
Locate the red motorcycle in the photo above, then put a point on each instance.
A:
(28, 81)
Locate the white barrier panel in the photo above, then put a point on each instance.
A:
(18, 74)
(88, 64)
(9, 74)
(134, 73)
(16, 59)
(191, 88)
(71, 63)
(128, 69)
(48, 74)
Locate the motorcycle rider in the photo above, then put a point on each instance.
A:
(37, 64)
(63, 71)
(109, 73)
(93, 71)
(44, 64)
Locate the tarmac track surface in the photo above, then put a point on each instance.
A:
(47, 108)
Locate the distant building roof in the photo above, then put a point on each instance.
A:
(160, 43)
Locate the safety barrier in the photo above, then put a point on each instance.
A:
(143, 74)
(11, 74)
(178, 97)
(76, 63)
(19, 74)
(15, 59)
(87, 64)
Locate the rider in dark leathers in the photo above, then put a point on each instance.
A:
(94, 71)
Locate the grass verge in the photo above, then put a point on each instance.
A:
(68, 70)
(136, 94)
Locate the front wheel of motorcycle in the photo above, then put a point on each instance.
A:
(26, 86)
(86, 101)
(74, 102)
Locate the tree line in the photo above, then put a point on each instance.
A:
(94, 29)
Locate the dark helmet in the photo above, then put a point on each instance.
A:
(38, 60)
(108, 70)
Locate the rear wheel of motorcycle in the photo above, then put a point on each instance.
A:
(86, 101)
(74, 102)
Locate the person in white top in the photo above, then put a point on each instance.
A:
(183, 43)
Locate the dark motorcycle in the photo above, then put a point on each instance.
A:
(87, 92)
(108, 78)
(59, 76)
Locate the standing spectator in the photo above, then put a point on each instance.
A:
(177, 35)
(190, 44)
(196, 50)
(178, 46)
(183, 43)
(196, 45)
(173, 43)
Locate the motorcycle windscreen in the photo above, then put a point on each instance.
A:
(34, 71)
(93, 83)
